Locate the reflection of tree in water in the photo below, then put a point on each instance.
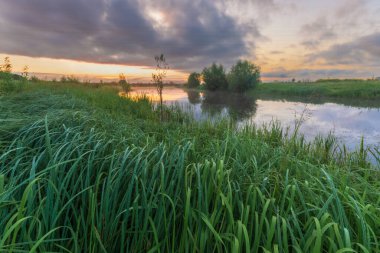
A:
(239, 106)
(194, 96)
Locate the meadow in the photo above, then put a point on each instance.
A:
(363, 89)
(84, 170)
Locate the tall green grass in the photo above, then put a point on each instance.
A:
(82, 170)
(329, 89)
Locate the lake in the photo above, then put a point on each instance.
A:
(348, 120)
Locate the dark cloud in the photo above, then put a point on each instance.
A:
(192, 34)
(363, 51)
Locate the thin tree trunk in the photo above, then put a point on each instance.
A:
(161, 106)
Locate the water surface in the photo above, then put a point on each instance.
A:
(348, 120)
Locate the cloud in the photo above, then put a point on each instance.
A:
(274, 52)
(190, 33)
(352, 9)
(363, 51)
(317, 32)
(345, 19)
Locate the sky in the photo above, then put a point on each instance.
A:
(98, 39)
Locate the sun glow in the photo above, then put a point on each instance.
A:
(160, 20)
(47, 68)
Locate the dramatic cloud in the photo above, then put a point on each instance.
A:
(191, 33)
(363, 51)
(313, 34)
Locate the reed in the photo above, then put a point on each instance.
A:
(83, 170)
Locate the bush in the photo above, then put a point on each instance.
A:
(9, 85)
(194, 80)
(243, 76)
(5, 76)
(125, 86)
(215, 77)
(35, 79)
(69, 79)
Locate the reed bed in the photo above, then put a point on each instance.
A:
(83, 170)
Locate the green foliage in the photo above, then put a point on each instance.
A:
(69, 79)
(7, 66)
(158, 77)
(243, 76)
(6, 76)
(8, 85)
(83, 170)
(334, 89)
(36, 79)
(330, 80)
(194, 80)
(25, 72)
(214, 77)
(125, 86)
(9, 82)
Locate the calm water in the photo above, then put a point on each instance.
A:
(347, 120)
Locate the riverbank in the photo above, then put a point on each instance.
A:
(353, 89)
(84, 170)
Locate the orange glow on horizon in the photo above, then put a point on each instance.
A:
(55, 68)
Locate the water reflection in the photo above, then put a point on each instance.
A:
(237, 106)
(194, 96)
(349, 120)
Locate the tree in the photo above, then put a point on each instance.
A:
(158, 77)
(194, 80)
(215, 77)
(36, 79)
(243, 76)
(7, 66)
(123, 83)
(69, 79)
(25, 72)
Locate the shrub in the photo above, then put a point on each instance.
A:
(158, 77)
(126, 87)
(69, 79)
(5, 76)
(7, 66)
(36, 79)
(194, 80)
(10, 82)
(215, 77)
(9, 85)
(25, 72)
(243, 76)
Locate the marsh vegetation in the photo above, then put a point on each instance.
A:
(84, 170)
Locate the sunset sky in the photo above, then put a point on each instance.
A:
(98, 39)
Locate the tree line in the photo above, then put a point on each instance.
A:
(243, 76)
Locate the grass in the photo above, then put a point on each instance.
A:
(330, 89)
(83, 170)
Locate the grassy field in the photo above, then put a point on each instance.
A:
(334, 89)
(83, 170)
